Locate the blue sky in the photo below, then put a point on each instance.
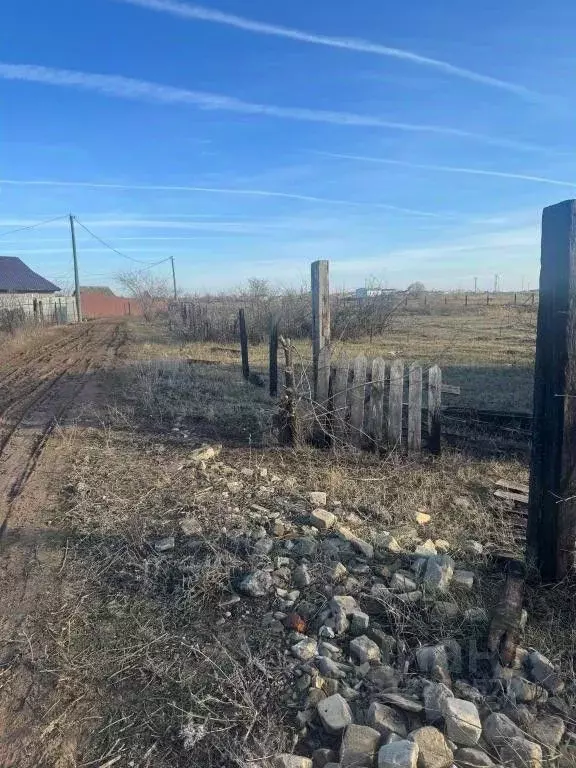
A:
(402, 141)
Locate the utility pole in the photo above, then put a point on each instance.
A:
(174, 278)
(76, 278)
(475, 285)
(496, 283)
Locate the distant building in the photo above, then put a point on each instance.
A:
(370, 293)
(16, 277)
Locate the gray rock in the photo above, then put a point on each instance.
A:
(361, 546)
(384, 677)
(439, 571)
(322, 519)
(256, 584)
(305, 649)
(387, 720)
(433, 751)
(548, 730)
(318, 498)
(359, 622)
(190, 526)
(462, 720)
(364, 649)
(400, 582)
(263, 546)
(444, 610)
(523, 689)
(498, 729)
(338, 572)
(329, 668)
(398, 754)
(359, 747)
(466, 757)
(543, 672)
(433, 696)
(426, 550)
(433, 662)
(291, 761)
(301, 576)
(518, 752)
(464, 690)
(305, 546)
(464, 579)
(393, 738)
(389, 543)
(473, 547)
(407, 703)
(335, 713)
(346, 603)
(322, 757)
(165, 544)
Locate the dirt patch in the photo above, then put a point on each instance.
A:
(39, 387)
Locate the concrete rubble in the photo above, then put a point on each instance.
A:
(365, 693)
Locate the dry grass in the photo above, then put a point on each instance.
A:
(155, 662)
(487, 351)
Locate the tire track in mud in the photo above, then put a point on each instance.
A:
(30, 550)
(34, 401)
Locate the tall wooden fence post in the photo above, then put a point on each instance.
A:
(243, 344)
(551, 539)
(273, 367)
(321, 330)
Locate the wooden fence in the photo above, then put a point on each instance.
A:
(383, 404)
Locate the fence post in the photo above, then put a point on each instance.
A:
(289, 434)
(414, 407)
(487, 298)
(551, 538)
(321, 329)
(466, 300)
(243, 344)
(434, 409)
(340, 397)
(273, 357)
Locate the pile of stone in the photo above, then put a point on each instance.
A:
(368, 694)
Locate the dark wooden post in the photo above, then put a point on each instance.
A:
(515, 299)
(243, 344)
(466, 300)
(289, 429)
(487, 298)
(273, 366)
(551, 539)
(321, 330)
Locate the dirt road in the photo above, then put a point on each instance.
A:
(41, 384)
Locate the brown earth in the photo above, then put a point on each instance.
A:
(41, 385)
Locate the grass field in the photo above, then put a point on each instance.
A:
(486, 350)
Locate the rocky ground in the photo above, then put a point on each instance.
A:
(354, 617)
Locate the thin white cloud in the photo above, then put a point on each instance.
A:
(141, 90)
(201, 13)
(451, 169)
(218, 191)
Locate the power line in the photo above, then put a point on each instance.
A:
(116, 251)
(31, 226)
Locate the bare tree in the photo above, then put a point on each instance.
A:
(150, 291)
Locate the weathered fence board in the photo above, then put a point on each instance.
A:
(376, 406)
(414, 407)
(434, 408)
(357, 400)
(394, 432)
(340, 393)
